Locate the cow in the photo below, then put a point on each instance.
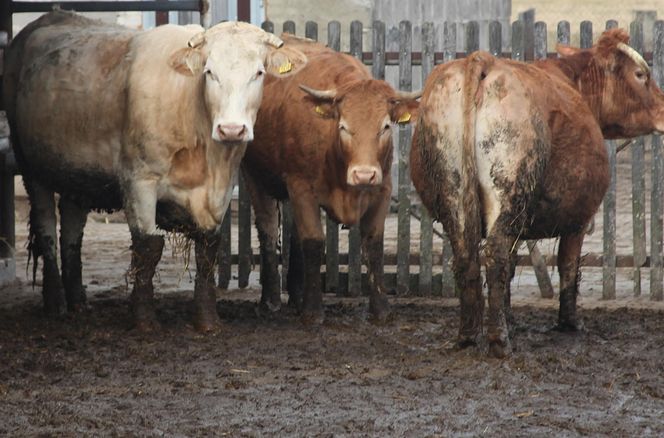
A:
(506, 150)
(323, 140)
(155, 122)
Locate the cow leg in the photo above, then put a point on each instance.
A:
(372, 226)
(43, 237)
(498, 267)
(569, 253)
(145, 254)
(266, 211)
(206, 318)
(72, 223)
(513, 260)
(295, 276)
(309, 228)
(468, 282)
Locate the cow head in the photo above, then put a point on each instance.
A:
(618, 86)
(231, 59)
(364, 112)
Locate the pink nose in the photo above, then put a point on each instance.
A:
(364, 176)
(231, 132)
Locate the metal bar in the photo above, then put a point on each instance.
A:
(354, 237)
(403, 227)
(638, 182)
(107, 6)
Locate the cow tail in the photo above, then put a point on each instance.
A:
(476, 68)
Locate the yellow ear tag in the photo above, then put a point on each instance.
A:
(405, 118)
(319, 110)
(285, 68)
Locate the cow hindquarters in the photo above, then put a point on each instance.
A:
(206, 318)
(569, 253)
(43, 243)
(72, 223)
(145, 254)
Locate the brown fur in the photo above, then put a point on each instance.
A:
(189, 167)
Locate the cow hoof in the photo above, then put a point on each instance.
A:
(499, 350)
(208, 325)
(569, 326)
(295, 302)
(267, 307)
(54, 303)
(379, 308)
(312, 318)
(145, 319)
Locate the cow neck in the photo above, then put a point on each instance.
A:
(583, 74)
(334, 171)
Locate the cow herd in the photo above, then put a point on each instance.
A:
(159, 122)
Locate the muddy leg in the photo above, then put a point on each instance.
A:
(569, 253)
(312, 302)
(43, 237)
(514, 258)
(498, 268)
(468, 282)
(146, 253)
(295, 276)
(72, 222)
(266, 210)
(206, 318)
(379, 305)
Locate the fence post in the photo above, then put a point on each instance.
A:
(495, 39)
(225, 251)
(472, 37)
(403, 192)
(354, 238)
(331, 227)
(449, 54)
(638, 181)
(289, 27)
(656, 222)
(518, 41)
(563, 33)
(311, 30)
(244, 252)
(609, 232)
(540, 43)
(425, 285)
(268, 26)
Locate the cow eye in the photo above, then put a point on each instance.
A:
(259, 73)
(387, 127)
(640, 75)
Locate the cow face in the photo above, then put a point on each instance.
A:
(232, 59)
(619, 85)
(364, 113)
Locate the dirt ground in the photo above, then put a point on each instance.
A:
(90, 374)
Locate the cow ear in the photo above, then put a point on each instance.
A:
(187, 61)
(564, 50)
(284, 61)
(404, 111)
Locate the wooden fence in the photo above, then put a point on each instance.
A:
(428, 272)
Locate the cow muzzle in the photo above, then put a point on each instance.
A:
(232, 133)
(364, 176)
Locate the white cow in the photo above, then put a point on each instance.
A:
(155, 122)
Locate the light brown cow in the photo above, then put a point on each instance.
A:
(155, 122)
(324, 139)
(510, 151)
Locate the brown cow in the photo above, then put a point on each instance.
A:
(511, 151)
(329, 149)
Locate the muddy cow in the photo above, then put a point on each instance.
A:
(154, 122)
(506, 151)
(324, 139)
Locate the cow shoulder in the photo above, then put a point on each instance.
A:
(189, 167)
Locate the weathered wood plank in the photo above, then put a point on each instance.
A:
(540, 42)
(657, 192)
(638, 181)
(563, 33)
(287, 224)
(289, 27)
(609, 233)
(354, 238)
(518, 41)
(244, 235)
(267, 26)
(311, 30)
(425, 286)
(403, 221)
(472, 42)
(331, 227)
(378, 38)
(495, 38)
(225, 251)
(586, 35)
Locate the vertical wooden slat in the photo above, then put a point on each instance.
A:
(425, 286)
(289, 27)
(495, 38)
(268, 26)
(245, 255)
(449, 54)
(472, 42)
(354, 238)
(403, 228)
(205, 14)
(311, 30)
(7, 211)
(331, 227)
(586, 36)
(540, 48)
(225, 251)
(286, 230)
(638, 181)
(378, 39)
(656, 222)
(563, 33)
(609, 218)
(518, 41)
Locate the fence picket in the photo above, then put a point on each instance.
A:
(540, 51)
(245, 254)
(656, 210)
(495, 38)
(638, 182)
(268, 26)
(224, 252)
(563, 33)
(403, 228)
(311, 30)
(289, 27)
